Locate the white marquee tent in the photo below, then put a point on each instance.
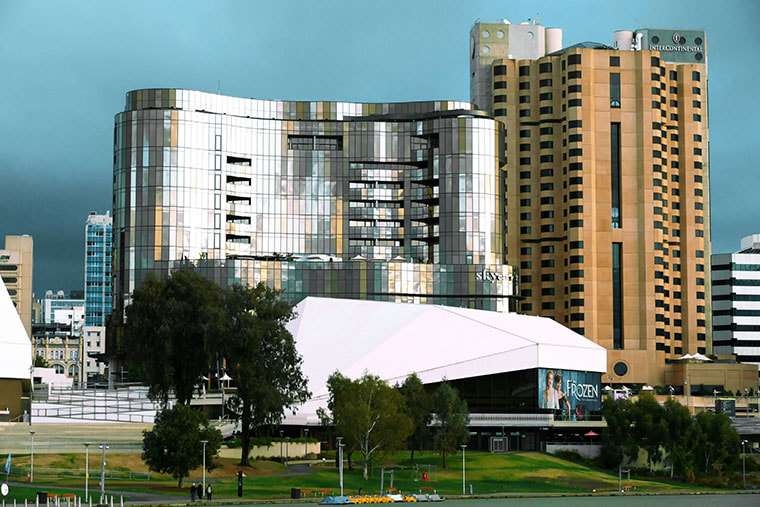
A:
(393, 340)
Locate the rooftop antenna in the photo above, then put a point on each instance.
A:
(219, 87)
(535, 20)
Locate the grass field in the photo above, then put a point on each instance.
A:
(488, 473)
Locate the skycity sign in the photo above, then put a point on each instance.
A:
(492, 276)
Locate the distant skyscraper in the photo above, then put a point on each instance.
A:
(97, 273)
(16, 267)
(736, 301)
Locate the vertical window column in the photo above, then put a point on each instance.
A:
(617, 219)
(617, 296)
(615, 90)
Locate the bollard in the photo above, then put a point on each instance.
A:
(90, 502)
(121, 500)
(111, 500)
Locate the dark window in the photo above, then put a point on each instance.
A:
(545, 96)
(500, 70)
(547, 144)
(525, 161)
(547, 158)
(500, 112)
(572, 124)
(673, 75)
(524, 188)
(524, 202)
(524, 70)
(695, 76)
(614, 61)
(697, 117)
(525, 133)
(655, 61)
(576, 88)
(574, 74)
(500, 98)
(546, 110)
(524, 99)
(545, 131)
(617, 296)
(525, 85)
(547, 186)
(525, 147)
(576, 152)
(615, 90)
(574, 102)
(545, 82)
(547, 200)
(544, 67)
(524, 113)
(574, 60)
(499, 85)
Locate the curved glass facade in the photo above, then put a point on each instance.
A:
(397, 201)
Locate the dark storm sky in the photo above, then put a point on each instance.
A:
(65, 67)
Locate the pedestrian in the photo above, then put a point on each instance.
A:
(208, 492)
(200, 491)
(192, 493)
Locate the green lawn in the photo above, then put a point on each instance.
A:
(488, 473)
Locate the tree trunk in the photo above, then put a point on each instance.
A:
(179, 484)
(444, 459)
(350, 464)
(412, 455)
(246, 436)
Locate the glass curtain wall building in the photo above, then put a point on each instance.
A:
(386, 201)
(97, 269)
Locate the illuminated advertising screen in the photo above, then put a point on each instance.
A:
(574, 392)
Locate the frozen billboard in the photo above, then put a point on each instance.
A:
(570, 391)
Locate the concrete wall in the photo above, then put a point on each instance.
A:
(588, 451)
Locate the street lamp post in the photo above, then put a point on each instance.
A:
(204, 442)
(744, 455)
(31, 468)
(463, 446)
(688, 392)
(340, 463)
(287, 456)
(103, 446)
(86, 469)
(280, 446)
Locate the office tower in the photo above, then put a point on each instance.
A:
(16, 269)
(394, 202)
(736, 301)
(607, 174)
(97, 268)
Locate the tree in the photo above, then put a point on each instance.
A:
(617, 440)
(418, 407)
(170, 332)
(452, 417)
(40, 362)
(337, 384)
(649, 429)
(679, 440)
(174, 445)
(370, 415)
(262, 359)
(716, 444)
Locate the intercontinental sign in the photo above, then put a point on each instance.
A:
(677, 46)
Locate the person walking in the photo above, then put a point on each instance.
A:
(200, 492)
(192, 493)
(208, 492)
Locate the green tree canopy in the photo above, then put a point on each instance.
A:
(170, 332)
(418, 408)
(452, 418)
(370, 415)
(174, 445)
(262, 359)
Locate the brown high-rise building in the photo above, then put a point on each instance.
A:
(607, 185)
